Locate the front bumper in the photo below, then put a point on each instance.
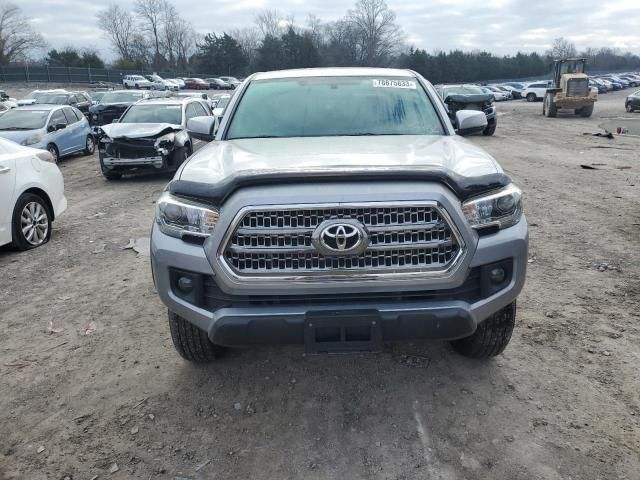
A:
(438, 314)
(157, 162)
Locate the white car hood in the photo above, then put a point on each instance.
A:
(221, 160)
(138, 130)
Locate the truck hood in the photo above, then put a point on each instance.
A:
(138, 130)
(222, 160)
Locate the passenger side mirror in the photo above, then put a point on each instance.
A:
(51, 128)
(470, 121)
(203, 128)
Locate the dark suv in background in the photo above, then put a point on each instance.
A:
(81, 100)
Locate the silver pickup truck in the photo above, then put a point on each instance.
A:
(339, 209)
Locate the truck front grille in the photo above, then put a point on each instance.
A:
(577, 87)
(278, 241)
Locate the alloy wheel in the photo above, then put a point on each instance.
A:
(54, 153)
(34, 223)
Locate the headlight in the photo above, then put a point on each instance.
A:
(178, 217)
(94, 116)
(165, 140)
(502, 209)
(31, 139)
(105, 139)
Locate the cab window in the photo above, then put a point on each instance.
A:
(57, 117)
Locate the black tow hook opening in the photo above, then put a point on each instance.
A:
(343, 332)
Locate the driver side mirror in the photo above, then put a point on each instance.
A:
(203, 128)
(470, 121)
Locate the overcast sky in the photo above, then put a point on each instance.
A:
(499, 26)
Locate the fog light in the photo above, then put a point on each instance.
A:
(185, 284)
(497, 275)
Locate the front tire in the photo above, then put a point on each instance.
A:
(53, 150)
(549, 108)
(31, 223)
(490, 129)
(531, 97)
(89, 145)
(629, 108)
(491, 337)
(192, 343)
(586, 111)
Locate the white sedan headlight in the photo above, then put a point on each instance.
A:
(500, 209)
(32, 139)
(178, 217)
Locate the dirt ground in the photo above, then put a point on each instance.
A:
(89, 378)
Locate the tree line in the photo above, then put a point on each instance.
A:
(151, 35)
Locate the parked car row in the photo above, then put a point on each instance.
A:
(155, 82)
(135, 130)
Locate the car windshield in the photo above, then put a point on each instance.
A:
(23, 119)
(121, 97)
(156, 113)
(463, 90)
(222, 102)
(334, 106)
(53, 98)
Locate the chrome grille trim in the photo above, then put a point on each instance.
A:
(407, 238)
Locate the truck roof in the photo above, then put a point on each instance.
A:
(334, 72)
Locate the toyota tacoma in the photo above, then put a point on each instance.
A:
(338, 209)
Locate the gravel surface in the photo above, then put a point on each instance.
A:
(90, 384)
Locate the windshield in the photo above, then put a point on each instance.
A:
(120, 97)
(157, 113)
(53, 98)
(23, 119)
(334, 106)
(222, 102)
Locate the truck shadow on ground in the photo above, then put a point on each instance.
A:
(417, 408)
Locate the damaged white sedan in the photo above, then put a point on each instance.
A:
(151, 134)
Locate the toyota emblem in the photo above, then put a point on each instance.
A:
(340, 237)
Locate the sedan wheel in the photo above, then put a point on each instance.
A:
(629, 108)
(34, 223)
(31, 222)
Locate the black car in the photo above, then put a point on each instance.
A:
(80, 100)
(632, 102)
(112, 105)
(469, 97)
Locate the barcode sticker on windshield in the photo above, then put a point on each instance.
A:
(386, 83)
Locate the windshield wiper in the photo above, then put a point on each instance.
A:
(17, 128)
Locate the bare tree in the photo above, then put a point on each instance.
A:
(119, 28)
(17, 38)
(379, 35)
(152, 14)
(269, 22)
(562, 48)
(170, 26)
(184, 42)
(316, 30)
(249, 40)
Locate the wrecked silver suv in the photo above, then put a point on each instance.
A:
(150, 134)
(338, 209)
